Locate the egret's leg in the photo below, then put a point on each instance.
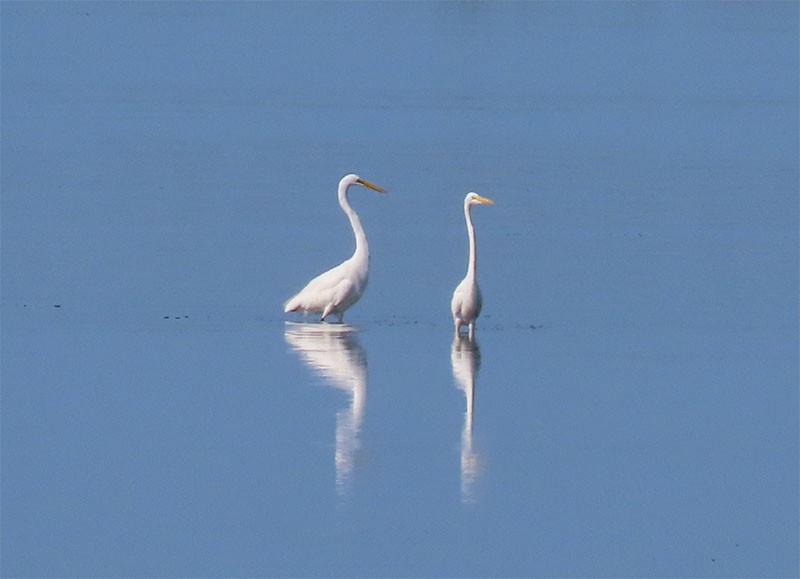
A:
(471, 331)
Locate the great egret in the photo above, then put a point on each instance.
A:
(339, 288)
(467, 301)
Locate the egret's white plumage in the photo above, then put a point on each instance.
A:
(467, 301)
(339, 288)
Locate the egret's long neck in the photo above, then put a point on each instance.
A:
(362, 248)
(472, 249)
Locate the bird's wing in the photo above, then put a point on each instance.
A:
(458, 298)
(318, 292)
(467, 300)
(340, 294)
(342, 291)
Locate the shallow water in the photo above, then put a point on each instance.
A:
(630, 404)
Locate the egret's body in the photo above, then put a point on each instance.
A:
(467, 300)
(337, 289)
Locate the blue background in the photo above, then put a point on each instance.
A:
(169, 174)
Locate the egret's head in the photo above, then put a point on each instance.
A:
(475, 199)
(352, 179)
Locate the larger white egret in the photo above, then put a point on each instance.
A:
(467, 301)
(339, 288)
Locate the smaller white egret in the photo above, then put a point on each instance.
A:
(339, 288)
(467, 301)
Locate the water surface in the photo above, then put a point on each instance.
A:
(630, 404)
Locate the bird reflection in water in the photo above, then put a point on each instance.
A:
(333, 352)
(465, 358)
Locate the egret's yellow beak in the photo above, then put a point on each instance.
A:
(372, 186)
(485, 200)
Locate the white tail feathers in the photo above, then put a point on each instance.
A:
(291, 305)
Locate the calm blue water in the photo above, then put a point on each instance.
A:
(630, 407)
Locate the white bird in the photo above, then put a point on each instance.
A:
(339, 288)
(467, 301)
